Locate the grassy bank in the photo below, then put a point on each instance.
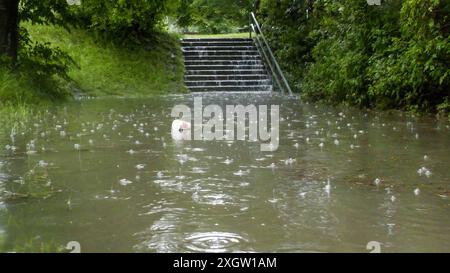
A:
(103, 70)
(106, 69)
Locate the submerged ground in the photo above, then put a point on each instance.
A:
(106, 173)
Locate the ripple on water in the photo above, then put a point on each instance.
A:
(211, 198)
(215, 242)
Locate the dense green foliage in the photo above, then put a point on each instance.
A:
(52, 63)
(106, 69)
(123, 20)
(214, 16)
(39, 68)
(395, 55)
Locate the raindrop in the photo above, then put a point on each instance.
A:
(124, 182)
(140, 167)
(43, 164)
(228, 161)
(377, 181)
(160, 174)
(327, 187)
(240, 173)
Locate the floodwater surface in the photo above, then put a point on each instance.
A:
(107, 174)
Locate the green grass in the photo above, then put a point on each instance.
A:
(110, 70)
(19, 97)
(228, 35)
(104, 70)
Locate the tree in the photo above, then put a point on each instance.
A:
(123, 20)
(214, 16)
(9, 28)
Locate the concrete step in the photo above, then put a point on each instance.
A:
(216, 39)
(204, 53)
(226, 72)
(222, 67)
(217, 43)
(234, 77)
(230, 88)
(227, 83)
(223, 62)
(198, 48)
(232, 58)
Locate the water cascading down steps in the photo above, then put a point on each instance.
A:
(224, 65)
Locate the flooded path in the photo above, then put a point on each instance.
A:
(106, 173)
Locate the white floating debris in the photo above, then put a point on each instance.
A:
(160, 174)
(77, 147)
(393, 198)
(336, 142)
(131, 152)
(417, 192)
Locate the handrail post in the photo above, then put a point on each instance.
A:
(276, 71)
(250, 25)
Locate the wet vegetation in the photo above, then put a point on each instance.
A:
(395, 55)
(65, 50)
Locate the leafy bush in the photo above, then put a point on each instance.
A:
(391, 56)
(214, 16)
(124, 20)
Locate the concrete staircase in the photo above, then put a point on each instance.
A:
(220, 65)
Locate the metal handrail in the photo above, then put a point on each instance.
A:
(269, 58)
